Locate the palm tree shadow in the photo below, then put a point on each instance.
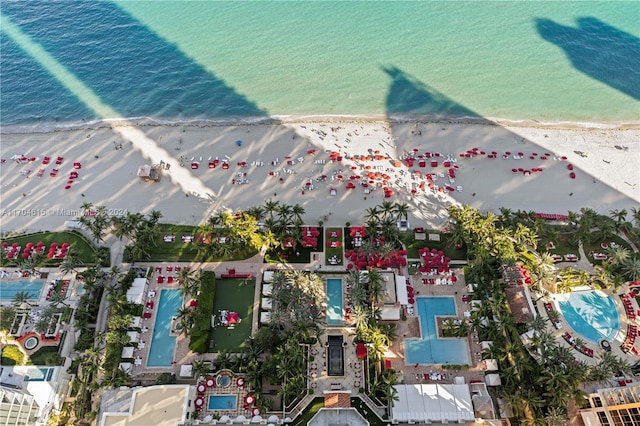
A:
(598, 50)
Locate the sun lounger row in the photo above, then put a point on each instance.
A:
(630, 341)
(628, 307)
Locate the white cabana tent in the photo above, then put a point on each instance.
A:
(390, 313)
(127, 352)
(134, 336)
(401, 290)
(135, 293)
(266, 303)
(137, 322)
(125, 366)
(186, 370)
(432, 402)
(265, 317)
(491, 364)
(267, 277)
(492, 380)
(267, 289)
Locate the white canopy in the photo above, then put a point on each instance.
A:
(492, 380)
(125, 366)
(265, 317)
(390, 313)
(267, 289)
(491, 364)
(401, 290)
(134, 336)
(134, 294)
(432, 402)
(186, 370)
(266, 303)
(137, 322)
(127, 352)
(267, 277)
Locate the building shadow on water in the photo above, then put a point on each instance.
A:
(408, 95)
(598, 50)
(127, 65)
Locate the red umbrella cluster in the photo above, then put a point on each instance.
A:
(335, 156)
(361, 260)
(310, 237)
(31, 250)
(434, 260)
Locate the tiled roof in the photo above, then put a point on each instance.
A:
(337, 400)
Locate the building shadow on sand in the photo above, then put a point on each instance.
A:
(598, 50)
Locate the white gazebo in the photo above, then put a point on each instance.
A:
(266, 303)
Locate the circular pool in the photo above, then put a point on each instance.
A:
(223, 380)
(591, 314)
(31, 343)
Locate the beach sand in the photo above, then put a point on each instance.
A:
(606, 178)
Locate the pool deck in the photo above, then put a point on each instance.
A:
(615, 344)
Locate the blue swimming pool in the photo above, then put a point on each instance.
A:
(163, 344)
(223, 402)
(9, 288)
(430, 349)
(591, 314)
(335, 315)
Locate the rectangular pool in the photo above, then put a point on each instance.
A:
(430, 349)
(163, 344)
(9, 288)
(223, 402)
(335, 315)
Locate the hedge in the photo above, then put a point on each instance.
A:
(199, 342)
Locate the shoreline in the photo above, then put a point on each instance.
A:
(96, 124)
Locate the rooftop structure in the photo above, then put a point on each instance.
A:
(17, 407)
(162, 405)
(613, 406)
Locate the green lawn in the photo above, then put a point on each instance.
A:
(414, 245)
(596, 247)
(78, 244)
(238, 296)
(179, 251)
(47, 355)
(336, 251)
(562, 244)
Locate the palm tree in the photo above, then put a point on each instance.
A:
(402, 211)
(200, 368)
(386, 209)
(23, 297)
(297, 211)
(619, 215)
(631, 269)
(372, 213)
(618, 255)
(270, 207)
(56, 298)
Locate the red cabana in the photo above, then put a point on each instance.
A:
(361, 351)
(232, 318)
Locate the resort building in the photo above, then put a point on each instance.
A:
(17, 408)
(337, 411)
(613, 406)
(30, 393)
(161, 405)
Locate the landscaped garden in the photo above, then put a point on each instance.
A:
(83, 249)
(233, 295)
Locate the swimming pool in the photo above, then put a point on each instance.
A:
(163, 344)
(591, 314)
(223, 402)
(334, 301)
(39, 374)
(430, 349)
(9, 288)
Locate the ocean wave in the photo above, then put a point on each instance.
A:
(48, 127)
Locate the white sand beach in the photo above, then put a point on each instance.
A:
(298, 151)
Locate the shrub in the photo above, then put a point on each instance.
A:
(199, 342)
(11, 355)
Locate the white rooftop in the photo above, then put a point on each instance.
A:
(432, 402)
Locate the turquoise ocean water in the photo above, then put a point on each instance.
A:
(175, 60)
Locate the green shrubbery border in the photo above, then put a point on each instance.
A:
(199, 337)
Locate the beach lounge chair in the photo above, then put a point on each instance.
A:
(54, 173)
(59, 161)
(40, 173)
(46, 160)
